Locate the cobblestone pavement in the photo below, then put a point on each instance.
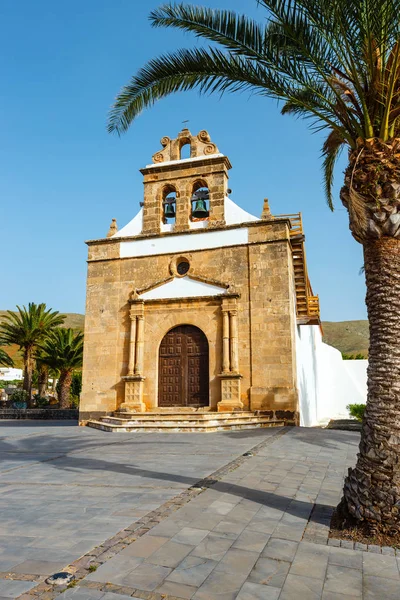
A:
(259, 531)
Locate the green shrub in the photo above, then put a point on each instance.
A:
(356, 410)
(76, 384)
(41, 401)
(4, 383)
(74, 401)
(19, 399)
(358, 356)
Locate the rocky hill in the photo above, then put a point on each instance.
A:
(350, 337)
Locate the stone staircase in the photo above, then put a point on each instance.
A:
(182, 421)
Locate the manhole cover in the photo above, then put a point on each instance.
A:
(248, 454)
(62, 578)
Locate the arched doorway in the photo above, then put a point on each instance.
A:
(183, 368)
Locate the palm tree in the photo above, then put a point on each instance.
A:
(62, 351)
(338, 64)
(5, 359)
(27, 328)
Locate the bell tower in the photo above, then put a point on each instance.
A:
(181, 194)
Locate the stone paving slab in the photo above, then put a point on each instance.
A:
(65, 489)
(262, 547)
(250, 535)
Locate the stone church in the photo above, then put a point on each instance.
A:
(193, 307)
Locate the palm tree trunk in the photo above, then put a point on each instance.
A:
(28, 372)
(65, 386)
(372, 488)
(42, 380)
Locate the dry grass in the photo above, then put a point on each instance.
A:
(350, 337)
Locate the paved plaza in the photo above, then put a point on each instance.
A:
(258, 531)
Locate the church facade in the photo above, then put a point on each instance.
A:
(195, 304)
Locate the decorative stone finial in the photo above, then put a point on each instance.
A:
(266, 213)
(200, 145)
(113, 228)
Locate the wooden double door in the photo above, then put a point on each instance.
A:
(183, 378)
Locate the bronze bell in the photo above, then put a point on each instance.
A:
(169, 210)
(200, 210)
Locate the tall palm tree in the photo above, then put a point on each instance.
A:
(338, 64)
(62, 351)
(27, 328)
(5, 359)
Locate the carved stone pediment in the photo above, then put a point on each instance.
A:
(180, 287)
(200, 145)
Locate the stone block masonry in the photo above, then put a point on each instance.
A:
(237, 291)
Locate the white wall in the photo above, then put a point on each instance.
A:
(184, 242)
(9, 374)
(326, 383)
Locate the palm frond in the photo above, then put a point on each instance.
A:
(238, 33)
(62, 350)
(336, 63)
(331, 150)
(27, 326)
(5, 359)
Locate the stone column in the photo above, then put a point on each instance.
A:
(233, 341)
(230, 376)
(225, 342)
(132, 345)
(134, 380)
(139, 345)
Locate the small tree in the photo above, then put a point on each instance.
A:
(62, 351)
(27, 328)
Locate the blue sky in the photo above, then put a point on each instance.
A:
(63, 177)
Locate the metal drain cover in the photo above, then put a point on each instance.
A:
(62, 578)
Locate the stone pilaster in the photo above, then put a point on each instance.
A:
(233, 341)
(133, 401)
(132, 344)
(225, 342)
(230, 376)
(139, 345)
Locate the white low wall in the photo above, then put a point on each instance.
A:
(326, 382)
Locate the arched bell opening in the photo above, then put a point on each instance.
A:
(185, 149)
(183, 368)
(169, 197)
(200, 201)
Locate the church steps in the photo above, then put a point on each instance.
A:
(187, 426)
(178, 416)
(177, 422)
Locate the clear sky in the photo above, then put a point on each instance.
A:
(63, 177)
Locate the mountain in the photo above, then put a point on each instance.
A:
(350, 337)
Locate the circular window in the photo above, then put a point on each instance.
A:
(182, 267)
